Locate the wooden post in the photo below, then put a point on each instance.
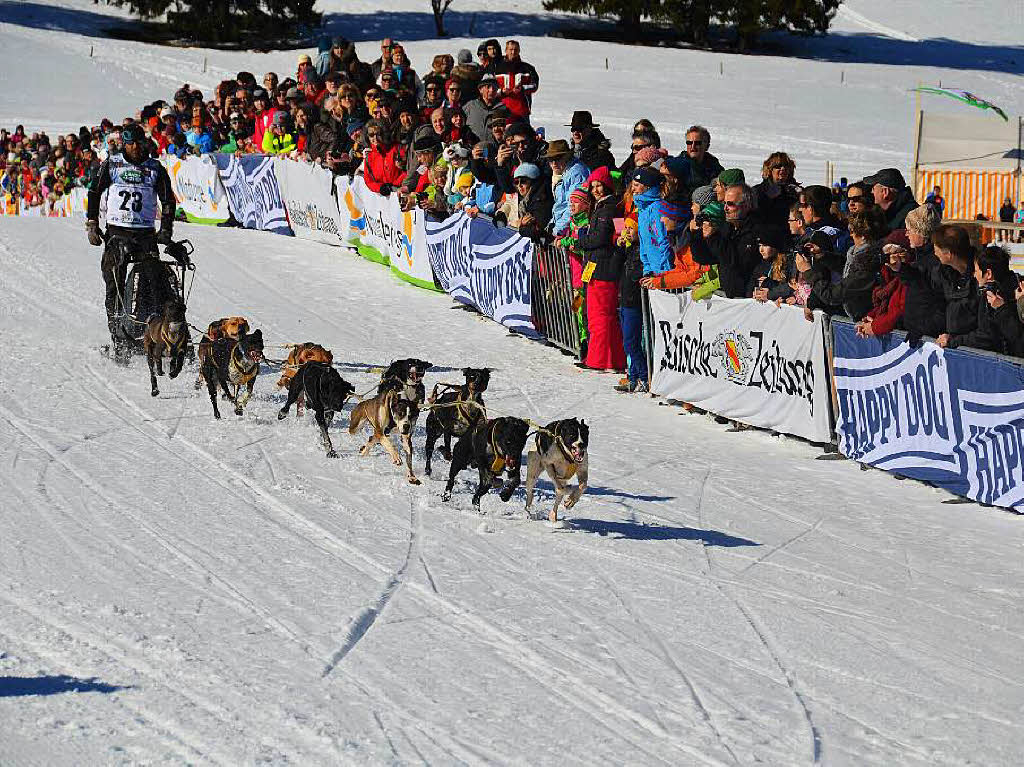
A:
(204, 64)
(918, 118)
(842, 76)
(90, 51)
(721, 68)
(606, 62)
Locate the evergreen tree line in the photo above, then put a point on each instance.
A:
(693, 19)
(229, 21)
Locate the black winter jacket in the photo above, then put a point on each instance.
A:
(734, 249)
(924, 309)
(853, 291)
(594, 151)
(597, 241)
(896, 216)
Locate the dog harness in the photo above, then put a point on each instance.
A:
(238, 370)
(498, 465)
(168, 340)
(573, 466)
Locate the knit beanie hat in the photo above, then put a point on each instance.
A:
(898, 237)
(464, 180)
(714, 211)
(923, 220)
(732, 177)
(648, 155)
(580, 196)
(603, 175)
(704, 195)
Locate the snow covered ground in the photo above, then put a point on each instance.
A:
(178, 590)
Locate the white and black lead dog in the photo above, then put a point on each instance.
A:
(561, 451)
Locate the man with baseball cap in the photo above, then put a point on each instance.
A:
(479, 109)
(892, 195)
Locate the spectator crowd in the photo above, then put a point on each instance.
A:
(459, 137)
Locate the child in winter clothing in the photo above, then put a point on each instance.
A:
(579, 217)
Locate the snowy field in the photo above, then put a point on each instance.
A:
(177, 590)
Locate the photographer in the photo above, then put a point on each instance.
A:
(999, 326)
(852, 293)
(735, 247)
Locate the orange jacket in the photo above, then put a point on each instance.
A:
(685, 272)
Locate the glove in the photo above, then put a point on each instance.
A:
(385, 190)
(92, 229)
(163, 237)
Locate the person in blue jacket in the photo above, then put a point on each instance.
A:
(573, 174)
(199, 136)
(655, 249)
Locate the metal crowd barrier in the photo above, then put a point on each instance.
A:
(552, 296)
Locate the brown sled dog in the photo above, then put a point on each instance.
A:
(299, 355)
(226, 327)
(166, 335)
(386, 412)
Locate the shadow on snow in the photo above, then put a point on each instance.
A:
(19, 686)
(636, 531)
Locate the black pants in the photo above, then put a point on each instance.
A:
(123, 247)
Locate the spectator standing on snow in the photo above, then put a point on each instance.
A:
(382, 168)
(892, 195)
(534, 200)
(1006, 214)
(936, 199)
(778, 189)
(482, 108)
(702, 166)
(567, 175)
(852, 294)
(734, 248)
(517, 82)
(601, 274)
(588, 143)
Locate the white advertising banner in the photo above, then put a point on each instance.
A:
(198, 188)
(307, 191)
(749, 361)
(385, 232)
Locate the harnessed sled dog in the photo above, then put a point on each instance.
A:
(561, 451)
(387, 411)
(166, 334)
(408, 373)
(237, 363)
(494, 447)
(226, 327)
(298, 356)
(455, 412)
(324, 390)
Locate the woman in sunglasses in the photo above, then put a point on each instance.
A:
(778, 189)
(382, 170)
(858, 198)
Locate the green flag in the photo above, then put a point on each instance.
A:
(965, 97)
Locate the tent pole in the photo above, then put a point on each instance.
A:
(918, 118)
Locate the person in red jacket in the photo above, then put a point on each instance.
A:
(382, 167)
(265, 111)
(888, 299)
(517, 82)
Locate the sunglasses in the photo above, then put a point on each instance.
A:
(519, 181)
(856, 198)
(521, 142)
(638, 147)
(698, 142)
(374, 134)
(731, 204)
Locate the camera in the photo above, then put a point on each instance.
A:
(701, 219)
(989, 287)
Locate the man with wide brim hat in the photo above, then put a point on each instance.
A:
(568, 174)
(590, 145)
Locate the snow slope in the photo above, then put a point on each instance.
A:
(846, 99)
(175, 590)
(246, 599)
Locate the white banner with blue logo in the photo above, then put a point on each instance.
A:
(951, 417)
(484, 266)
(753, 362)
(307, 191)
(253, 193)
(393, 236)
(197, 188)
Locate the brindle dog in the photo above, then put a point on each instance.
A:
(166, 334)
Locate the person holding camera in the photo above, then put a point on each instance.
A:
(852, 293)
(888, 299)
(734, 248)
(999, 327)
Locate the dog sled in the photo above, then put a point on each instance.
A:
(150, 281)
